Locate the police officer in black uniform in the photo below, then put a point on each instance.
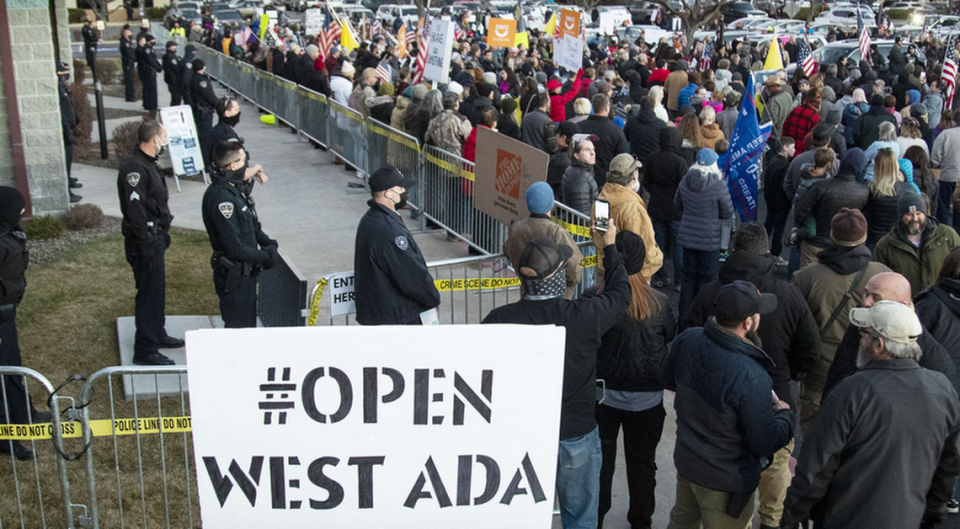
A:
(149, 68)
(229, 112)
(146, 224)
(393, 285)
(171, 72)
(186, 74)
(13, 266)
(128, 56)
(68, 120)
(90, 40)
(204, 99)
(240, 247)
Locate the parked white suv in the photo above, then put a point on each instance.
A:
(387, 13)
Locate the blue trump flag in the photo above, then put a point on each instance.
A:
(741, 164)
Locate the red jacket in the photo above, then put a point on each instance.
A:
(658, 76)
(558, 102)
(799, 122)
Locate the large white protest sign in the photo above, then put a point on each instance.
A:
(608, 23)
(392, 426)
(313, 20)
(342, 301)
(569, 53)
(185, 154)
(439, 51)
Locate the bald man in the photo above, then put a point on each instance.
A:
(889, 286)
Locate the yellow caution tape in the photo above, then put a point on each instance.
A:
(313, 95)
(486, 283)
(99, 428)
(582, 231)
(588, 261)
(315, 302)
(394, 136)
(450, 167)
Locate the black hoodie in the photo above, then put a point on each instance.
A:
(13, 247)
(643, 133)
(789, 335)
(663, 171)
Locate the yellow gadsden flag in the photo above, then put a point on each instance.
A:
(551, 25)
(774, 60)
(347, 39)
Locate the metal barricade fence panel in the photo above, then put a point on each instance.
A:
(345, 132)
(286, 96)
(578, 226)
(139, 467)
(282, 295)
(389, 146)
(448, 200)
(313, 114)
(263, 90)
(247, 81)
(471, 287)
(36, 492)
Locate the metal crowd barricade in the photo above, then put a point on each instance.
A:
(345, 135)
(389, 146)
(27, 498)
(578, 226)
(286, 104)
(312, 108)
(149, 474)
(447, 189)
(282, 295)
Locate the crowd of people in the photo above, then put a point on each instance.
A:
(840, 316)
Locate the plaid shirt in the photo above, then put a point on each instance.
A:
(799, 122)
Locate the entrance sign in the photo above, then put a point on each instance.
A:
(391, 426)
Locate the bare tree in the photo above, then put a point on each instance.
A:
(693, 13)
(423, 7)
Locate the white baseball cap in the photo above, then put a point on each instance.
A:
(891, 320)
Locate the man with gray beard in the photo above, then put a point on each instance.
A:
(893, 424)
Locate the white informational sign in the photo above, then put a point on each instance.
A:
(439, 51)
(341, 290)
(608, 23)
(384, 426)
(568, 53)
(184, 148)
(313, 21)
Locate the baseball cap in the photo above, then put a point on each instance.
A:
(541, 258)
(554, 84)
(891, 320)
(623, 164)
(739, 300)
(389, 176)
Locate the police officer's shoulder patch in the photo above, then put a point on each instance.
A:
(133, 179)
(203, 84)
(401, 242)
(226, 208)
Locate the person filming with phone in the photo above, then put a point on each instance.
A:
(620, 198)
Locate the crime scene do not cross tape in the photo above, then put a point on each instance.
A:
(99, 428)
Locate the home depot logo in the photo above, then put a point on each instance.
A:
(508, 174)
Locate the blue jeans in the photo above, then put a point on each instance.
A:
(578, 480)
(665, 232)
(944, 201)
(699, 268)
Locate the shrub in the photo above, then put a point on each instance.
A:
(45, 227)
(156, 13)
(899, 14)
(81, 106)
(108, 71)
(124, 138)
(83, 217)
(76, 16)
(79, 74)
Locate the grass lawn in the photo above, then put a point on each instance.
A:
(67, 326)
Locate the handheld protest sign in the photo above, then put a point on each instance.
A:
(505, 169)
(501, 32)
(392, 426)
(185, 154)
(568, 53)
(569, 23)
(439, 51)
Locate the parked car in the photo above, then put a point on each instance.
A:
(247, 8)
(738, 10)
(227, 16)
(847, 16)
(651, 34)
(643, 12)
(184, 16)
(388, 12)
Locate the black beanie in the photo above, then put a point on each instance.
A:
(11, 203)
(634, 252)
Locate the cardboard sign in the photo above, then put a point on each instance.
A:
(185, 154)
(393, 426)
(501, 32)
(341, 291)
(522, 39)
(568, 53)
(313, 20)
(439, 51)
(608, 23)
(569, 23)
(505, 169)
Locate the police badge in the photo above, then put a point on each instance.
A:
(133, 179)
(401, 241)
(226, 208)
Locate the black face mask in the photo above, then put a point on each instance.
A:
(232, 120)
(403, 201)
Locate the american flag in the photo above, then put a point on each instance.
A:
(659, 16)
(385, 72)
(330, 35)
(422, 55)
(705, 59)
(805, 58)
(375, 28)
(458, 32)
(864, 38)
(949, 76)
(411, 34)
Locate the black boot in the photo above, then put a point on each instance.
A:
(151, 358)
(74, 183)
(75, 198)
